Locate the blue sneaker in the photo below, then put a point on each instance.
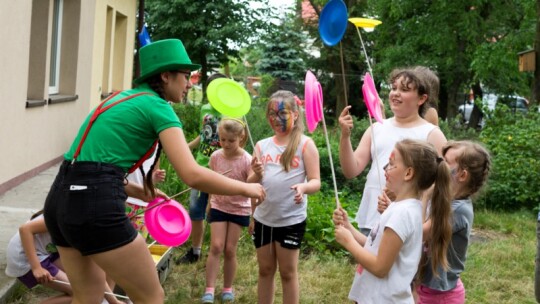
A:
(207, 298)
(227, 297)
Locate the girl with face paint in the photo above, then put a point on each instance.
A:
(287, 165)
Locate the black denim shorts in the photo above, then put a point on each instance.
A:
(219, 216)
(289, 237)
(85, 208)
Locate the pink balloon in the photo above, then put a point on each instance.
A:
(371, 98)
(313, 101)
(168, 223)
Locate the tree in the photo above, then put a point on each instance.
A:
(283, 51)
(466, 41)
(210, 30)
(536, 83)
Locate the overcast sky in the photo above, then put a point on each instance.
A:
(278, 3)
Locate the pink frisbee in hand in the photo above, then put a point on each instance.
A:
(167, 222)
(313, 101)
(371, 98)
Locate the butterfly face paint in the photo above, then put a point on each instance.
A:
(280, 116)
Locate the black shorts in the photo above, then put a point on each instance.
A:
(219, 216)
(289, 237)
(85, 208)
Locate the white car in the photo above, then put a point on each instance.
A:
(514, 102)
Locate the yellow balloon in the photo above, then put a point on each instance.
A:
(364, 22)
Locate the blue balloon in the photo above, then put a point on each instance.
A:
(333, 22)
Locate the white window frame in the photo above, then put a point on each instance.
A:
(56, 46)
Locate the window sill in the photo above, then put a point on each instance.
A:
(54, 99)
(35, 103)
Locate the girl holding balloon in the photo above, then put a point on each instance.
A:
(228, 214)
(407, 99)
(287, 165)
(390, 254)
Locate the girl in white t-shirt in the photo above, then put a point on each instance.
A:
(391, 252)
(228, 214)
(287, 165)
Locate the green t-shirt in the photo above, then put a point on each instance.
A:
(209, 134)
(126, 131)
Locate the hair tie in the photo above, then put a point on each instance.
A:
(299, 101)
(439, 159)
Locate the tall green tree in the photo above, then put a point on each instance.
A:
(284, 51)
(212, 31)
(466, 41)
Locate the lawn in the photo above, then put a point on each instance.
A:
(499, 269)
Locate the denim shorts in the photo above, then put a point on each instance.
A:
(29, 280)
(198, 201)
(85, 208)
(215, 216)
(289, 237)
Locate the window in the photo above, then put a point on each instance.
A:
(56, 42)
(115, 50)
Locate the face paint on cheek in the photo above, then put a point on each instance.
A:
(285, 121)
(392, 157)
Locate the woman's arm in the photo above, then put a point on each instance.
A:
(195, 176)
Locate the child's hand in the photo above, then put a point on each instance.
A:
(391, 195)
(341, 218)
(299, 195)
(257, 166)
(343, 235)
(158, 175)
(42, 275)
(251, 227)
(346, 121)
(383, 201)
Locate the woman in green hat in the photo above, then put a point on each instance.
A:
(84, 210)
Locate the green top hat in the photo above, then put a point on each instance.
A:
(161, 56)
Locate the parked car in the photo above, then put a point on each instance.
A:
(516, 103)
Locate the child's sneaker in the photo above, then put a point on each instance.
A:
(189, 258)
(207, 298)
(227, 297)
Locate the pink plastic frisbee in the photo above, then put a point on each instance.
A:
(371, 98)
(313, 101)
(168, 223)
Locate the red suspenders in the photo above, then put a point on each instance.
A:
(99, 110)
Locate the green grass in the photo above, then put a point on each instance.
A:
(499, 269)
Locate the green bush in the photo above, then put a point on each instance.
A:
(454, 129)
(513, 143)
